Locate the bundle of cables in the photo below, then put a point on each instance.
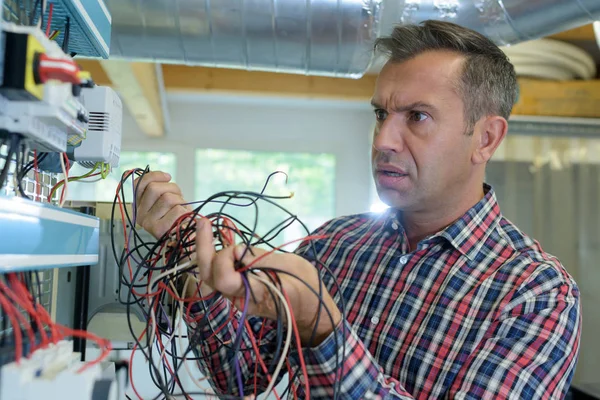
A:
(18, 149)
(103, 170)
(551, 59)
(32, 326)
(161, 272)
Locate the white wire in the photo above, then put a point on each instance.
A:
(288, 339)
(39, 21)
(172, 336)
(65, 190)
(149, 291)
(180, 334)
(274, 289)
(177, 332)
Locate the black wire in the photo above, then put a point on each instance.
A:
(25, 170)
(66, 36)
(33, 12)
(42, 14)
(13, 147)
(180, 248)
(20, 166)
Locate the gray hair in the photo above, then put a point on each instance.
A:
(488, 85)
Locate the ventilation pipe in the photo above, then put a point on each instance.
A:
(314, 37)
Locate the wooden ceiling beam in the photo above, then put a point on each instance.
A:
(585, 32)
(537, 97)
(198, 79)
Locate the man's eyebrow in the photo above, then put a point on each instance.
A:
(407, 107)
(375, 105)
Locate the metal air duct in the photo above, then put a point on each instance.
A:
(315, 37)
(503, 21)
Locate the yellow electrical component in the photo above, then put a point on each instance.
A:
(19, 67)
(84, 76)
(33, 47)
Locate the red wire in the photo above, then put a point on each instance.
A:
(227, 229)
(49, 23)
(25, 300)
(27, 306)
(296, 333)
(64, 331)
(299, 345)
(293, 388)
(257, 351)
(11, 313)
(131, 364)
(257, 259)
(260, 336)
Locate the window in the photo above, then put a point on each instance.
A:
(104, 190)
(311, 177)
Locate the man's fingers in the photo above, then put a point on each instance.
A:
(154, 191)
(158, 227)
(165, 203)
(141, 183)
(158, 200)
(260, 258)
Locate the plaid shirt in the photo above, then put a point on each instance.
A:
(477, 310)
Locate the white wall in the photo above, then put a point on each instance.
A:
(268, 124)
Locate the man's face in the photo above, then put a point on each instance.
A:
(421, 153)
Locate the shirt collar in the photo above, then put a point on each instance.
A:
(468, 233)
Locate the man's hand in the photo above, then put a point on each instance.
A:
(159, 203)
(217, 270)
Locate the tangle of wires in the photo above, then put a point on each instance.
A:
(26, 324)
(16, 161)
(17, 149)
(159, 274)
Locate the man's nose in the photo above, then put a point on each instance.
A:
(389, 135)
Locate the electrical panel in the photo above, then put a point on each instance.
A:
(52, 115)
(86, 23)
(40, 89)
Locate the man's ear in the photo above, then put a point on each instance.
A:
(490, 133)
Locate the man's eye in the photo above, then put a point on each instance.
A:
(418, 116)
(380, 114)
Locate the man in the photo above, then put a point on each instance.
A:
(444, 297)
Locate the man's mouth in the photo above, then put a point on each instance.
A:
(391, 173)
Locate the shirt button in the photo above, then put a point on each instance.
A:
(375, 320)
(394, 226)
(403, 260)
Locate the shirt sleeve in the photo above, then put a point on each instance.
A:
(529, 351)
(212, 328)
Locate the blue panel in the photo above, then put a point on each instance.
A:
(35, 236)
(26, 235)
(90, 26)
(96, 12)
